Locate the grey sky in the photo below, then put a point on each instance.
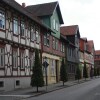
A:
(84, 13)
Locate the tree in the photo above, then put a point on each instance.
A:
(78, 73)
(37, 75)
(91, 72)
(63, 72)
(95, 72)
(98, 72)
(85, 74)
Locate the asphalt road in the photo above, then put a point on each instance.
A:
(86, 91)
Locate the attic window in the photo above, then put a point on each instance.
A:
(54, 24)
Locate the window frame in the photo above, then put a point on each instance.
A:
(15, 58)
(22, 29)
(32, 33)
(22, 59)
(32, 59)
(15, 24)
(3, 60)
(4, 19)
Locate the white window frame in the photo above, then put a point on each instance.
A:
(37, 31)
(48, 39)
(32, 33)
(2, 57)
(22, 60)
(53, 43)
(54, 23)
(22, 29)
(57, 26)
(32, 59)
(45, 39)
(2, 19)
(15, 25)
(15, 60)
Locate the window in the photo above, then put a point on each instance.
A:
(53, 43)
(1, 84)
(52, 67)
(32, 33)
(22, 29)
(32, 58)
(14, 58)
(37, 35)
(63, 48)
(56, 44)
(22, 59)
(15, 26)
(54, 24)
(2, 20)
(46, 39)
(1, 57)
(17, 82)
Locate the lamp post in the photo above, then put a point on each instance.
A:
(45, 64)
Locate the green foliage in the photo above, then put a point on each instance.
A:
(63, 72)
(98, 71)
(78, 73)
(37, 76)
(85, 74)
(95, 72)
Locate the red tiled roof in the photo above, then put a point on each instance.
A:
(97, 52)
(90, 45)
(69, 30)
(90, 42)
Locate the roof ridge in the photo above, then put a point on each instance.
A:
(42, 4)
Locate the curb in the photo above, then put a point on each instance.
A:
(66, 86)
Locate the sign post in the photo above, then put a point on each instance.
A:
(45, 64)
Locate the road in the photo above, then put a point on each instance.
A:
(86, 91)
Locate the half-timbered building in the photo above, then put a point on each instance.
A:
(19, 36)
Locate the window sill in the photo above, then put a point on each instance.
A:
(32, 40)
(22, 37)
(15, 69)
(15, 35)
(22, 69)
(2, 68)
(3, 30)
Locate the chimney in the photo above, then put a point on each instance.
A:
(23, 5)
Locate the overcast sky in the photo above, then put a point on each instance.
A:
(84, 13)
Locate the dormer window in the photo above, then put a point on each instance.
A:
(2, 19)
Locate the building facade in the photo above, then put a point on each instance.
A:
(72, 49)
(52, 43)
(19, 37)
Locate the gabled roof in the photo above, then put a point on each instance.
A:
(84, 38)
(97, 52)
(90, 45)
(45, 9)
(69, 30)
(20, 9)
(90, 42)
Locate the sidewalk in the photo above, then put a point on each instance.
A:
(31, 92)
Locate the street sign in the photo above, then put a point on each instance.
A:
(45, 64)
